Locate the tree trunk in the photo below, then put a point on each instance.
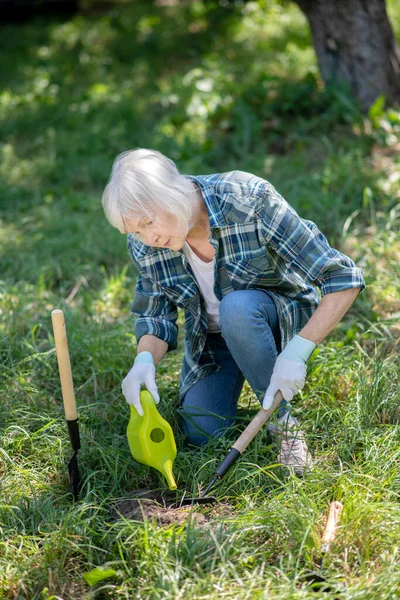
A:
(355, 44)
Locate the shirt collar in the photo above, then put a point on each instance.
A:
(215, 214)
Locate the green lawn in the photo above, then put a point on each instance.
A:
(215, 90)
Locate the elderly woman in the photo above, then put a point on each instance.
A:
(244, 267)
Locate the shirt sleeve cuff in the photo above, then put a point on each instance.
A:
(337, 283)
(298, 349)
(160, 328)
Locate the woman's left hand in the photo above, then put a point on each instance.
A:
(288, 376)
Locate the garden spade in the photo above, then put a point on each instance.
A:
(151, 439)
(67, 387)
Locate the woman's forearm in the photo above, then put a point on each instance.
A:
(154, 345)
(328, 314)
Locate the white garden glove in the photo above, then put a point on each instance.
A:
(143, 372)
(289, 374)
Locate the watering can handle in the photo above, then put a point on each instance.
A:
(64, 364)
(255, 424)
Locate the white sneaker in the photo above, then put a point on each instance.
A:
(293, 452)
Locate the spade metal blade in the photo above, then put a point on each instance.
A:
(74, 477)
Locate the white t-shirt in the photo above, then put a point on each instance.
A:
(204, 274)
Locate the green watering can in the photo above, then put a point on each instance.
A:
(151, 439)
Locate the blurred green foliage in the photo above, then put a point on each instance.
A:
(214, 88)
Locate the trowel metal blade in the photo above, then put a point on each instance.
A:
(190, 501)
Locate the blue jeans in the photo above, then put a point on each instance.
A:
(246, 348)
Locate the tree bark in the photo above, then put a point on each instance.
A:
(355, 44)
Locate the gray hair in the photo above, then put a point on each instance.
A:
(146, 183)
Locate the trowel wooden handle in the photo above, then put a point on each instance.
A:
(64, 364)
(255, 425)
(328, 536)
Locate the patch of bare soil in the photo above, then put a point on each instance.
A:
(154, 506)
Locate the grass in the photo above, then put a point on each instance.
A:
(215, 89)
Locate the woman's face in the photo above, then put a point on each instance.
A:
(163, 231)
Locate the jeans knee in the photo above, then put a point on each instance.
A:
(232, 308)
(196, 439)
(200, 438)
(199, 430)
(241, 310)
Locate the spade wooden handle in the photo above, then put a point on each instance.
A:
(64, 364)
(255, 425)
(328, 536)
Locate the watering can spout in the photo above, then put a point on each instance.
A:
(169, 476)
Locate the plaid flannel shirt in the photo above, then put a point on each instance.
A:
(260, 242)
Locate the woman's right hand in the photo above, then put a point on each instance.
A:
(143, 372)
